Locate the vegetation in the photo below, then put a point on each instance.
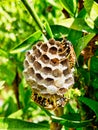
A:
(22, 24)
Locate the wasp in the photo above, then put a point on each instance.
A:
(49, 103)
(68, 51)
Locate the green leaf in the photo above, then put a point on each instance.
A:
(67, 22)
(27, 96)
(71, 123)
(96, 22)
(79, 24)
(92, 8)
(82, 13)
(85, 75)
(73, 36)
(94, 11)
(88, 5)
(70, 6)
(59, 31)
(95, 82)
(11, 124)
(72, 116)
(82, 43)
(17, 114)
(90, 103)
(48, 29)
(55, 4)
(27, 43)
(94, 64)
(22, 93)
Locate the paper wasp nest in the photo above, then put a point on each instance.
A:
(48, 68)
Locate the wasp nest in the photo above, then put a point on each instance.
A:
(49, 68)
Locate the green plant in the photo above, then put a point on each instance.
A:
(76, 20)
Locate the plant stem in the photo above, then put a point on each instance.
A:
(56, 126)
(16, 87)
(34, 15)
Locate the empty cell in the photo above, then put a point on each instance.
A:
(31, 83)
(30, 71)
(31, 58)
(69, 80)
(57, 43)
(51, 41)
(37, 65)
(45, 58)
(38, 76)
(56, 73)
(65, 62)
(34, 48)
(39, 43)
(28, 53)
(49, 81)
(26, 63)
(54, 61)
(52, 89)
(26, 73)
(41, 87)
(53, 50)
(37, 53)
(62, 90)
(66, 71)
(44, 47)
(60, 50)
(47, 70)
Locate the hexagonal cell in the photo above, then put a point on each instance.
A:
(31, 82)
(30, 71)
(27, 53)
(31, 58)
(54, 61)
(39, 43)
(66, 71)
(52, 89)
(37, 53)
(63, 53)
(34, 48)
(26, 74)
(60, 50)
(45, 58)
(57, 43)
(51, 41)
(44, 47)
(65, 62)
(26, 63)
(41, 87)
(37, 65)
(62, 90)
(69, 80)
(49, 81)
(56, 73)
(47, 70)
(53, 50)
(38, 76)
(36, 90)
